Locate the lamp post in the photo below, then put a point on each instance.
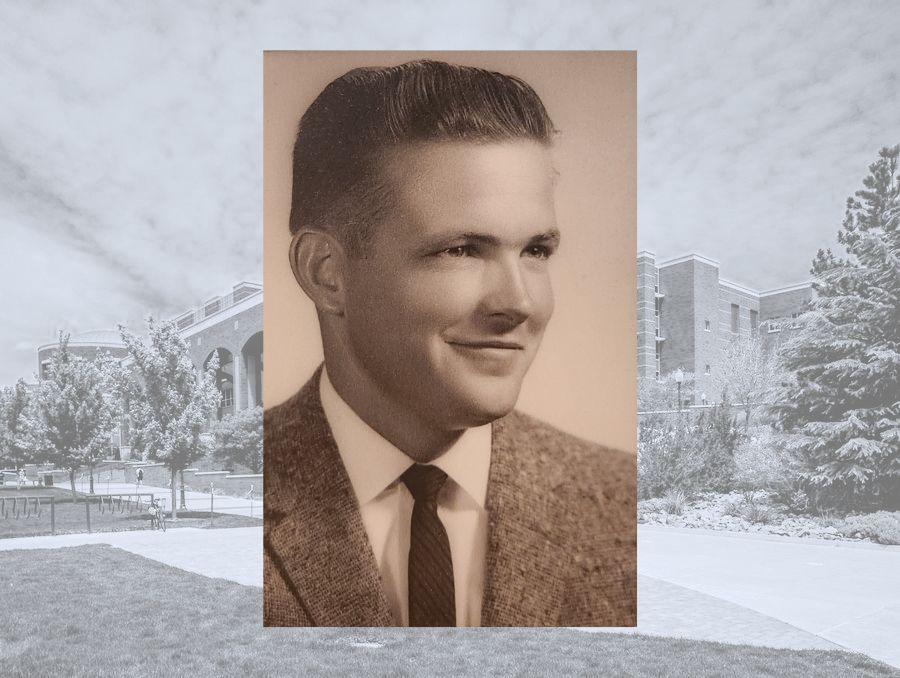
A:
(679, 377)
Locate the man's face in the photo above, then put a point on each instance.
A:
(446, 311)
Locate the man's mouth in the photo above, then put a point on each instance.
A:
(489, 343)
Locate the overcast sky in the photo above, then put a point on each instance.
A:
(130, 135)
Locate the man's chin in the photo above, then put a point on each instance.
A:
(484, 409)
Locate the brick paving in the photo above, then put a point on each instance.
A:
(670, 610)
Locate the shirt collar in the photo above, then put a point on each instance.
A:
(373, 463)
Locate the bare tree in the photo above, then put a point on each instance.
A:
(749, 373)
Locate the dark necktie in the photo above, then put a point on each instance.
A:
(431, 596)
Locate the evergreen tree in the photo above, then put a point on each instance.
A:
(168, 402)
(714, 441)
(74, 413)
(842, 407)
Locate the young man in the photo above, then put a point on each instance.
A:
(401, 488)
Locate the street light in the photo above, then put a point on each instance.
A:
(679, 377)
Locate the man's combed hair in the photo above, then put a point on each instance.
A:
(368, 111)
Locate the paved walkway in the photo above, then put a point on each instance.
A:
(234, 553)
(848, 593)
(666, 609)
(718, 586)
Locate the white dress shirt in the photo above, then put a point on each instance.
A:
(374, 466)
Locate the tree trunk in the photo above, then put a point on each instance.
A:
(72, 481)
(91, 469)
(174, 491)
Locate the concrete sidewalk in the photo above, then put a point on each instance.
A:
(234, 553)
(844, 592)
(669, 610)
(717, 586)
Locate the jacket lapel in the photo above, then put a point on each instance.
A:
(313, 527)
(526, 563)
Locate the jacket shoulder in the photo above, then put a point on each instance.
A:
(567, 459)
(591, 496)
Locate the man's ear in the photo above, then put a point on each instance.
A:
(318, 262)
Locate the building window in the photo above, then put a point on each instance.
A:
(735, 317)
(754, 322)
(706, 326)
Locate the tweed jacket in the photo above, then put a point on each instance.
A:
(561, 528)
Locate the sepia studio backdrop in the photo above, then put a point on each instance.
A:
(583, 378)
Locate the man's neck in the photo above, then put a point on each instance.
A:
(416, 438)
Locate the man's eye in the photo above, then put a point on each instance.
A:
(538, 251)
(458, 251)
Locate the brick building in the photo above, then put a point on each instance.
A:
(229, 324)
(687, 315)
(86, 345)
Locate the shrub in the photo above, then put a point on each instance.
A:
(674, 502)
(686, 452)
(717, 437)
(733, 509)
(882, 527)
(754, 512)
(763, 463)
(650, 505)
(752, 507)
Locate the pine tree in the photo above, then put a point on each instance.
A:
(842, 407)
(74, 413)
(168, 401)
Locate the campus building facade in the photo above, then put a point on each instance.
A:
(229, 325)
(688, 314)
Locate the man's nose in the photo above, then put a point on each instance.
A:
(507, 301)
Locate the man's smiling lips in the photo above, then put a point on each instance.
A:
(488, 344)
(493, 356)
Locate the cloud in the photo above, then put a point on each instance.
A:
(130, 134)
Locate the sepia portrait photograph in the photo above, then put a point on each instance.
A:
(449, 266)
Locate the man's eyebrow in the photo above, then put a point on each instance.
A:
(451, 239)
(550, 236)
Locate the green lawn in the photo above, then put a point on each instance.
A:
(100, 611)
(71, 518)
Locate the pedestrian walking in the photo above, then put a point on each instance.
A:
(20, 479)
(140, 477)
